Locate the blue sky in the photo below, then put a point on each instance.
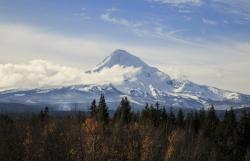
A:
(181, 19)
(207, 41)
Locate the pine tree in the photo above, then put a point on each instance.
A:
(46, 111)
(123, 113)
(102, 114)
(146, 106)
(41, 115)
(243, 133)
(190, 121)
(230, 120)
(211, 122)
(93, 109)
(202, 116)
(171, 120)
(226, 138)
(152, 115)
(157, 105)
(180, 118)
(164, 116)
(196, 122)
(44, 114)
(145, 113)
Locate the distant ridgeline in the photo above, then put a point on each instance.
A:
(73, 109)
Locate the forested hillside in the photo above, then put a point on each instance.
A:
(150, 135)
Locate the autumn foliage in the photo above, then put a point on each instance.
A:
(150, 135)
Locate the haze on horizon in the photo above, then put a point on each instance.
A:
(206, 41)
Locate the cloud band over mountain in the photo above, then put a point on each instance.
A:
(42, 74)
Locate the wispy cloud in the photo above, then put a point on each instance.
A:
(233, 7)
(184, 10)
(112, 9)
(178, 2)
(243, 4)
(247, 18)
(155, 30)
(135, 26)
(122, 21)
(82, 14)
(209, 22)
(161, 33)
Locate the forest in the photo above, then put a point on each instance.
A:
(152, 134)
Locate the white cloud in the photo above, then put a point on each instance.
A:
(236, 4)
(209, 22)
(142, 29)
(181, 10)
(112, 9)
(82, 14)
(178, 2)
(42, 74)
(195, 2)
(122, 21)
(161, 33)
(234, 7)
(134, 26)
(245, 3)
(21, 43)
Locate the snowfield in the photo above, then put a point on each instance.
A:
(148, 85)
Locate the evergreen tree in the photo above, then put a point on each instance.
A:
(44, 114)
(102, 114)
(145, 113)
(146, 106)
(190, 121)
(152, 115)
(123, 113)
(41, 115)
(171, 120)
(196, 123)
(202, 117)
(93, 109)
(46, 111)
(180, 118)
(230, 119)
(211, 122)
(164, 116)
(243, 135)
(157, 105)
(156, 114)
(226, 138)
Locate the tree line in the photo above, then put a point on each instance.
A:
(152, 134)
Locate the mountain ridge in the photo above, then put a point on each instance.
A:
(149, 85)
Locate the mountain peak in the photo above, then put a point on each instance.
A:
(120, 52)
(122, 58)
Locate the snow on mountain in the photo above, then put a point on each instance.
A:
(148, 77)
(122, 58)
(148, 85)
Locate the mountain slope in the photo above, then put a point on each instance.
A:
(147, 85)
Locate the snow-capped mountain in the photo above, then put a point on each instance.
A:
(148, 85)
